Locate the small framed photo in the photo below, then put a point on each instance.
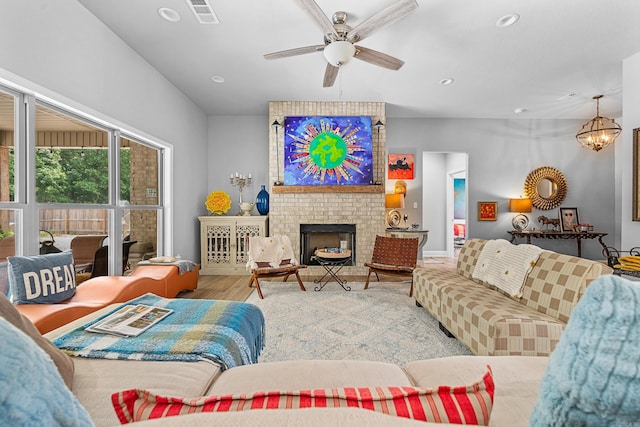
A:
(487, 211)
(569, 219)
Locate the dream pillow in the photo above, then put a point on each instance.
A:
(593, 375)
(32, 391)
(42, 279)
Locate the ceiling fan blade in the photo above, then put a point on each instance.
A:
(314, 11)
(385, 17)
(330, 74)
(294, 52)
(378, 58)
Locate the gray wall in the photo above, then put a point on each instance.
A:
(501, 155)
(238, 144)
(60, 50)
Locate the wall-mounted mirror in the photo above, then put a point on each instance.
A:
(546, 187)
(636, 178)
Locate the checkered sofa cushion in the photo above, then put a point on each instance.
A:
(492, 324)
(431, 281)
(468, 256)
(556, 283)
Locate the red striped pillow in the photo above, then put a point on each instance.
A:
(460, 405)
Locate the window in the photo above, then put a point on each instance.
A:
(77, 190)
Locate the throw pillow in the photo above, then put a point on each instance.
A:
(32, 392)
(460, 405)
(42, 279)
(490, 252)
(63, 362)
(593, 377)
(512, 267)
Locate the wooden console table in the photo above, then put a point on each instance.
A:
(567, 235)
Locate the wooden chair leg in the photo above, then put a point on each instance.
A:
(300, 282)
(255, 278)
(411, 288)
(258, 288)
(366, 284)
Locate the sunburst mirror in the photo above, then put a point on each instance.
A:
(546, 187)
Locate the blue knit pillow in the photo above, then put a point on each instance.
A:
(593, 376)
(33, 392)
(42, 279)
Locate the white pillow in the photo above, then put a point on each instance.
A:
(506, 266)
(512, 267)
(488, 258)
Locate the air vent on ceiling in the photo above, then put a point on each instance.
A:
(203, 11)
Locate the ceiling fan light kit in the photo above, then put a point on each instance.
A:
(339, 38)
(339, 52)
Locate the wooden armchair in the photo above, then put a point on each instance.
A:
(393, 256)
(272, 257)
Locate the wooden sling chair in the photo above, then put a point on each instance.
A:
(272, 257)
(393, 256)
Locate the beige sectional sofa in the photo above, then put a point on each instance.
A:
(517, 382)
(492, 323)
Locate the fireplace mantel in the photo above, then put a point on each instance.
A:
(286, 189)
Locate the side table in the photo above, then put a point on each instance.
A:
(332, 262)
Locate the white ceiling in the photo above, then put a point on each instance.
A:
(558, 47)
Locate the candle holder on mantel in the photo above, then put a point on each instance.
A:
(239, 180)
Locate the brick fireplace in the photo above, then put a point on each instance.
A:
(362, 206)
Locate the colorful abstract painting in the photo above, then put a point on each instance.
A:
(328, 150)
(459, 198)
(400, 166)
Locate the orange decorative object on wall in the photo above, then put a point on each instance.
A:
(487, 211)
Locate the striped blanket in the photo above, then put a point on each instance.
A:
(226, 332)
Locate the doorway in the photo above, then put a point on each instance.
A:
(441, 171)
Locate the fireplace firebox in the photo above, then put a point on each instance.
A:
(320, 236)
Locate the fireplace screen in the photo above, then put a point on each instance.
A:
(320, 236)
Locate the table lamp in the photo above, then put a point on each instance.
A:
(521, 221)
(394, 202)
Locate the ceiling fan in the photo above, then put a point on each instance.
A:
(339, 38)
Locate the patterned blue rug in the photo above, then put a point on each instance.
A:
(380, 324)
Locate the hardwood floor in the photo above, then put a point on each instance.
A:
(235, 288)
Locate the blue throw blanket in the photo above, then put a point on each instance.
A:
(226, 332)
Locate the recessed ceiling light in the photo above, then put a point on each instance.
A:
(447, 81)
(218, 79)
(507, 20)
(168, 14)
(519, 110)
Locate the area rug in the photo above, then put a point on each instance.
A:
(380, 324)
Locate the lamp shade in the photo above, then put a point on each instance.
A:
(339, 52)
(394, 201)
(520, 205)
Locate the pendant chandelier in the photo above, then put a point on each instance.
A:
(598, 132)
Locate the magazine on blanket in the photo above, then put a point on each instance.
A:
(130, 320)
